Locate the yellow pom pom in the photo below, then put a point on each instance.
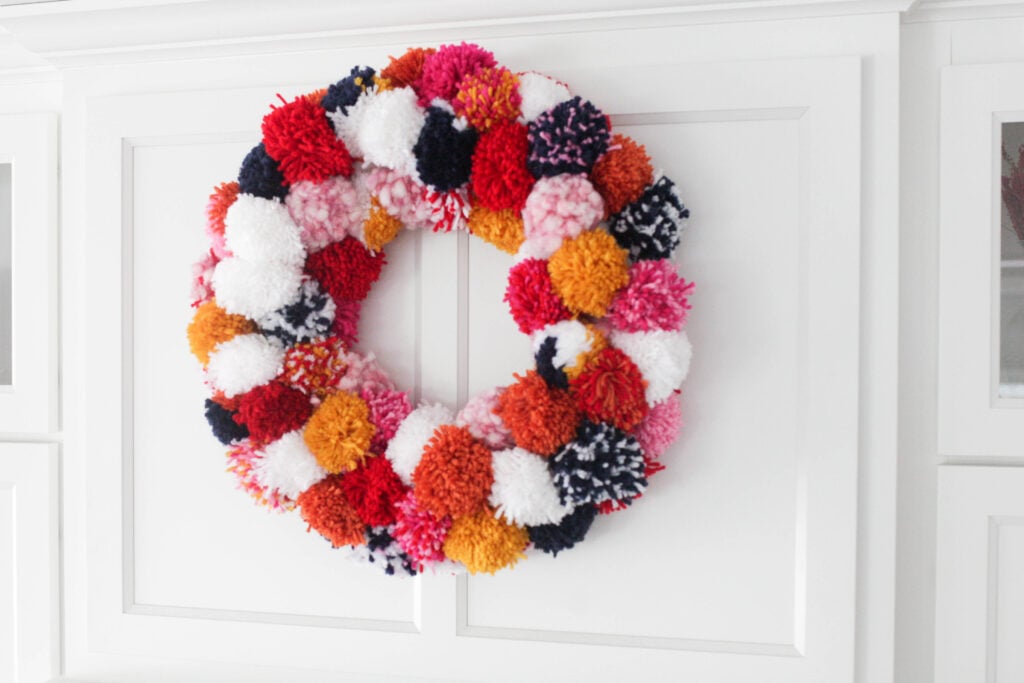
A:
(485, 543)
(212, 325)
(339, 432)
(588, 270)
(380, 226)
(503, 229)
(598, 342)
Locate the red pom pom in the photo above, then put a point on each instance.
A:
(541, 418)
(611, 389)
(373, 490)
(300, 139)
(499, 177)
(345, 269)
(455, 473)
(531, 297)
(325, 508)
(272, 410)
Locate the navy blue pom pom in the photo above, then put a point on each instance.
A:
(649, 227)
(554, 538)
(568, 138)
(384, 548)
(601, 463)
(344, 93)
(309, 317)
(260, 175)
(444, 154)
(222, 422)
(545, 357)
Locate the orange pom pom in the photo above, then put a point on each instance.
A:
(380, 226)
(324, 508)
(588, 270)
(503, 229)
(454, 475)
(621, 175)
(405, 70)
(212, 325)
(485, 543)
(339, 432)
(541, 418)
(611, 389)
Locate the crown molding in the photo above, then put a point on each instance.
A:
(953, 10)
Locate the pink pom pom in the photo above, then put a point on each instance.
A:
(443, 70)
(202, 278)
(479, 417)
(654, 299)
(326, 212)
(660, 427)
(420, 534)
(387, 410)
(531, 297)
(363, 373)
(401, 196)
(560, 206)
(346, 321)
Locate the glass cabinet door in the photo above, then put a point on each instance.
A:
(1011, 265)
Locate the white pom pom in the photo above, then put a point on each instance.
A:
(523, 491)
(258, 229)
(244, 362)
(383, 127)
(288, 466)
(539, 94)
(571, 339)
(407, 444)
(256, 288)
(663, 358)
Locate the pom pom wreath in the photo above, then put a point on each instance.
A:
(499, 177)
(326, 510)
(212, 325)
(663, 358)
(412, 435)
(539, 93)
(326, 212)
(287, 466)
(568, 138)
(222, 422)
(258, 229)
(242, 460)
(272, 409)
(483, 423)
(382, 127)
(523, 491)
(310, 316)
(572, 529)
(388, 408)
(454, 474)
(503, 229)
(339, 432)
(558, 207)
(343, 94)
(611, 389)
(531, 296)
(488, 96)
(244, 362)
(649, 227)
(655, 299)
(540, 418)
(485, 543)
(587, 271)
(223, 197)
(299, 137)
(373, 490)
(260, 176)
(443, 70)
(602, 463)
(346, 321)
(444, 152)
(380, 227)
(419, 533)
(345, 269)
(314, 367)
(659, 428)
(254, 288)
(407, 69)
(621, 175)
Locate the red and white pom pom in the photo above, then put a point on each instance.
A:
(243, 363)
(288, 467)
(558, 207)
(662, 356)
(407, 444)
(523, 491)
(326, 212)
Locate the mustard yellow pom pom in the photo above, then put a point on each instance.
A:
(212, 325)
(339, 432)
(485, 543)
(503, 229)
(588, 270)
(380, 226)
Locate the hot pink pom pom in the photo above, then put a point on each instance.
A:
(420, 534)
(202, 278)
(479, 418)
(327, 211)
(443, 70)
(660, 427)
(346, 321)
(654, 299)
(387, 410)
(560, 206)
(401, 196)
(531, 297)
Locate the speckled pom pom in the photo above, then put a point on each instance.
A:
(601, 463)
(339, 432)
(649, 227)
(655, 299)
(487, 96)
(223, 424)
(660, 427)
(531, 297)
(260, 176)
(485, 543)
(524, 492)
(345, 269)
(326, 510)
(299, 137)
(383, 550)
(540, 418)
(499, 177)
(314, 367)
(309, 317)
(328, 211)
(443, 70)
(558, 207)
(622, 174)
(568, 138)
(587, 271)
(572, 529)
(454, 475)
(444, 151)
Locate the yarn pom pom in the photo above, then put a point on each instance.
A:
(254, 288)
(382, 549)
(560, 206)
(543, 359)
(587, 271)
(564, 344)
(258, 229)
(407, 444)
(273, 409)
(601, 463)
(443, 70)
(244, 362)
(488, 96)
(540, 418)
(343, 94)
(649, 227)
(568, 138)
(540, 93)
(622, 174)
(339, 432)
(663, 358)
(299, 137)
(499, 177)
(503, 229)
(531, 296)
(420, 534)
(611, 389)
(363, 374)
(326, 510)
(212, 325)
(485, 543)
(444, 152)
(202, 278)
(242, 460)
(387, 410)
(382, 127)
(454, 474)
(346, 321)
(655, 299)
(373, 490)
(407, 69)
(346, 269)
(222, 422)
(314, 367)
(287, 466)
(260, 176)
(523, 491)
(572, 529)
(660, 428)
(327, 211)
(448, 210)
(223, 196)
(310, 316)
(479, 418)
(380, 227)
(401, 196)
